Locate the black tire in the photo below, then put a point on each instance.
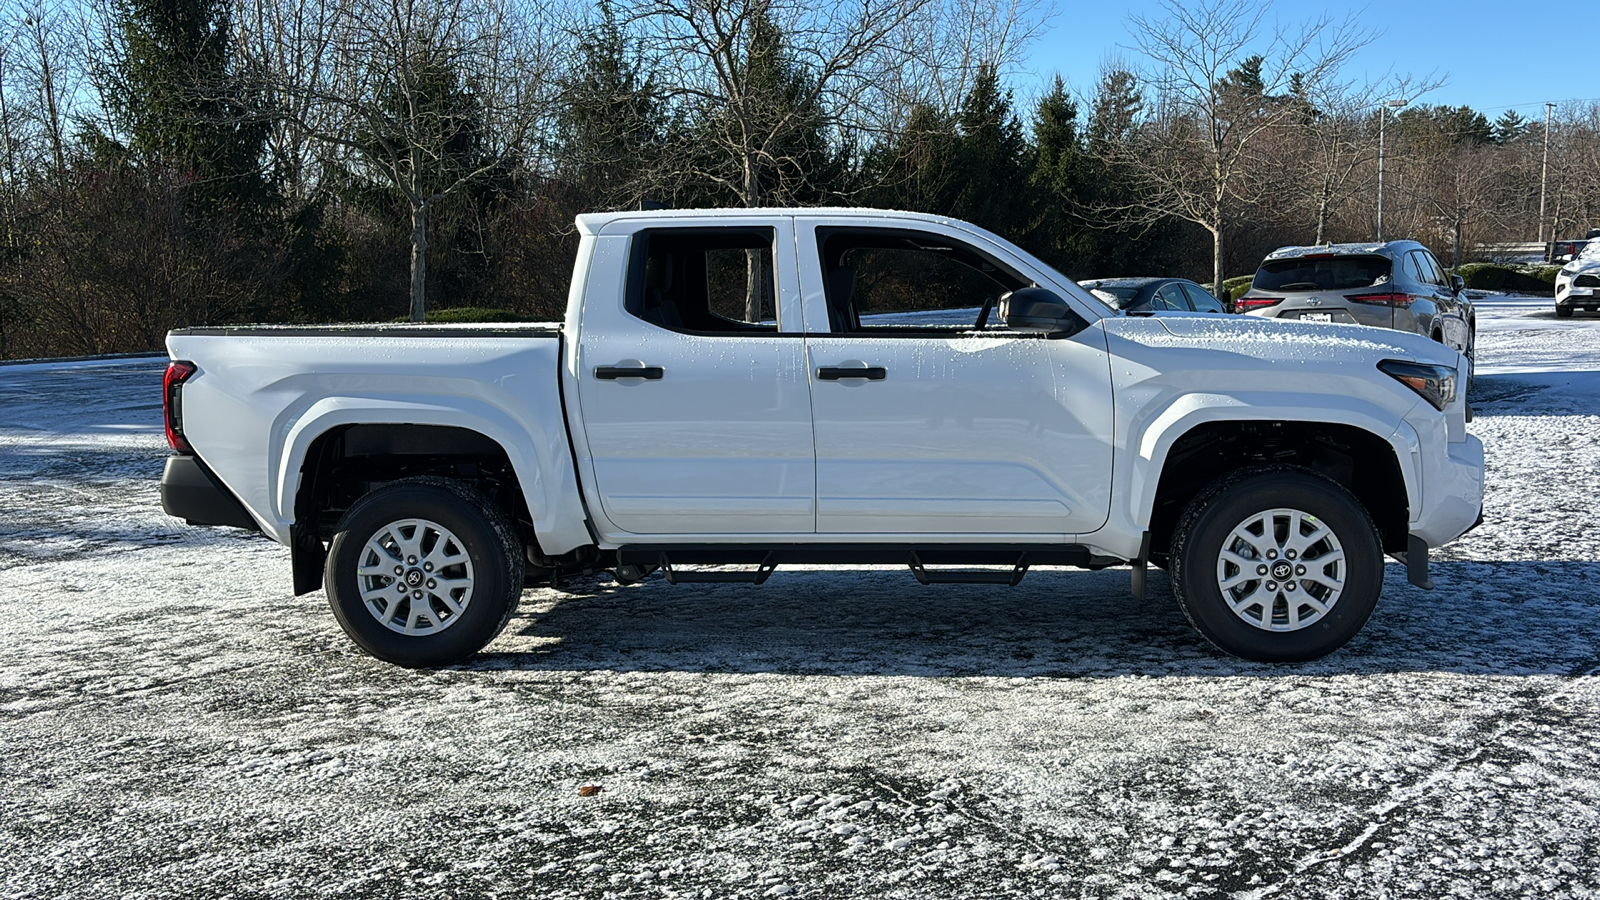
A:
(488, 541)
(1563, 312)
(1212, 519)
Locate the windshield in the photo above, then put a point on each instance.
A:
(1590, 250)
(1329, 273)
(1117, 295)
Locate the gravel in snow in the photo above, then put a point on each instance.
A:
(176, 724)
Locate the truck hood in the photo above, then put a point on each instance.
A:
(1281, 369)
(1248, 339)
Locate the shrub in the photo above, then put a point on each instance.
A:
(1509, 278)
(1236, 287)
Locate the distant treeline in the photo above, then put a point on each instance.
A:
(186, 162)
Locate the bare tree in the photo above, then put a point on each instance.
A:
(1335, 141)
(1221, 81)
(291, 45)
(427, 96)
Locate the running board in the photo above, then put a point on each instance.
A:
(763, 570)
(968, 576)
(1011, 562)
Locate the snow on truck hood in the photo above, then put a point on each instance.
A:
(1279, 340)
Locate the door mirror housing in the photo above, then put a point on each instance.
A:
(1457, 283)
(1039, 309)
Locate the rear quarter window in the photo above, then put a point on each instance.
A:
(1334, 273)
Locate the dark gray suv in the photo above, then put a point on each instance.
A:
(1397, 284)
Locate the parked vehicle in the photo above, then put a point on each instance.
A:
(1578, 282)
(719, 393)
(1397, 284)
(1566, 251)
(1153, 295)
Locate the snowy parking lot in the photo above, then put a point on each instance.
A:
(177, 724)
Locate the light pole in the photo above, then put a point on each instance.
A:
(1544, 172)
(1382, 115)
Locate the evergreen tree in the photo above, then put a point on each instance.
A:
(1058, 177)
(992, 160)
(798, 166)
(1509, 128)
(612, 119)
(1118, 103)
(915, 167)
(174, 90)
(1456, 125)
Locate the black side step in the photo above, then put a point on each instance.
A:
(968, 576)
(762, 571)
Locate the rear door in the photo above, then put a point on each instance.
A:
(926, 425)
(696, 410)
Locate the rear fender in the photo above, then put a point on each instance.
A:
(548, 486)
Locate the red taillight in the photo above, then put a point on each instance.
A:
(172, 403)
(1247, 303)
(1387, 298)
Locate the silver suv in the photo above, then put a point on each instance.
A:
(1397, 284)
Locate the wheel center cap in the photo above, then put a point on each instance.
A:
(1282, 570)
(414, 577)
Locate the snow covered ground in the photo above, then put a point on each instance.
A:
(173, 723)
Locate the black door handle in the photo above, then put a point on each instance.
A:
(611, 373)
(836, 373)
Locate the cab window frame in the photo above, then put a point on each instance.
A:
(877, 237)
(725, 237)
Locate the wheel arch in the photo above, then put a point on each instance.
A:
(1195, 449)
(333, 416)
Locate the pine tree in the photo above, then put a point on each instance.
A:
(993, 160)
(175, 91)
(1058, 180)
(612, 121)
(915, 167)
(1509, 128)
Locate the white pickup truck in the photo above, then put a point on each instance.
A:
(750, 389)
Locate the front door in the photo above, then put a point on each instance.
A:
(696, 409)
(926, 425)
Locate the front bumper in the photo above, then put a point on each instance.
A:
(192, 492)
(1452, 490)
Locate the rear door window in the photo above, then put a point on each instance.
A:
(1329, 273)
(1170, 296)
(1202, 301)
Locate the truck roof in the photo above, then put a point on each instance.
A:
(593, 222)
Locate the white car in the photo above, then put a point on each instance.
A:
(1578, 282)
(730, 388)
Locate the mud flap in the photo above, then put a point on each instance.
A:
(1141, 570)
(307, 556)
(1417, 563)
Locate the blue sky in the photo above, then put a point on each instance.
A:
(1494, 55)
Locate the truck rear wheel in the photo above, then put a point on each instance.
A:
(1277, 566)
(423, 572)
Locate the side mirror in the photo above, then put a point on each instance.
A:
(1457, 283)
(1039, 309)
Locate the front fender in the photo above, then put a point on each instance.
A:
(1156, 430)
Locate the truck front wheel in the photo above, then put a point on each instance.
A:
(423, 572)
(1277, 566)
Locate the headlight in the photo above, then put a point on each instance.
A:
(1436, 384)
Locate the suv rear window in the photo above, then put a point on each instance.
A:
(1332, 273)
